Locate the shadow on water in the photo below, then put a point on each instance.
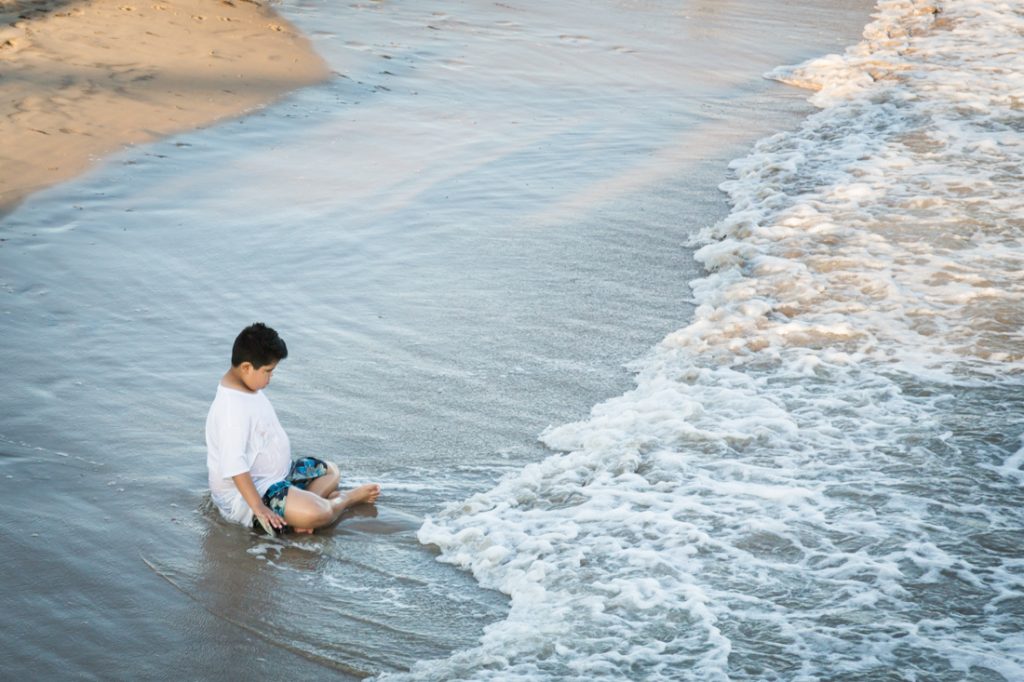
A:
(341, 598)
(233, 592)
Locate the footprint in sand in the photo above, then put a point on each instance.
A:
(126, 8)
(130, 74)
(29, 105)
(8, 46)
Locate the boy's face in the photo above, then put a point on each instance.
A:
(256, 378)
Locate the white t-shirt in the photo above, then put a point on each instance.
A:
(243, 434)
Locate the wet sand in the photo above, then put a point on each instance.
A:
(82, 78)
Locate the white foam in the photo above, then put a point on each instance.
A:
(798, 487)
(1013, 466)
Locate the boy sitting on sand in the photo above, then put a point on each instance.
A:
(253, 479)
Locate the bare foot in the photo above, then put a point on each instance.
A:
(364, 494)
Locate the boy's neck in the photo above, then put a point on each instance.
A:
(233, 379)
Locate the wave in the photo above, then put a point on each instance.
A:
(819, 475)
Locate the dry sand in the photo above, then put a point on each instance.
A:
(82, 78)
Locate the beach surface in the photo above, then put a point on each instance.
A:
(80, 79)
(463, 239)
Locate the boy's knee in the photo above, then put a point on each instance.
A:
(305, 510)
(333, 474)
(312, 520)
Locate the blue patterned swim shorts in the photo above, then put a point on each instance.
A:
(304, 470)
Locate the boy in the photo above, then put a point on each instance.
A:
(253, 479)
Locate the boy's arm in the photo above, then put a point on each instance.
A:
(252, 497)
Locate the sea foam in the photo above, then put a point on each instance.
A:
(818, 477)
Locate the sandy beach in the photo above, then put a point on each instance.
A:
(82, 78)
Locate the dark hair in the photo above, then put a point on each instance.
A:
(259, 345)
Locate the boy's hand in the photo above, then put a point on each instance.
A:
(269, 516)
(252, 498)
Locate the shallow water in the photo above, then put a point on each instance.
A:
(462, 238)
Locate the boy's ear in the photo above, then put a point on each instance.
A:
(246, 366)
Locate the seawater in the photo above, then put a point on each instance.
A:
(820, 475)
(462, 236)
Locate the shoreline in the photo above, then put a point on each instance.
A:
(460, 256)
(82, 80)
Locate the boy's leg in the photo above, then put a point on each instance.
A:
(326, 484)
(305, 510)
